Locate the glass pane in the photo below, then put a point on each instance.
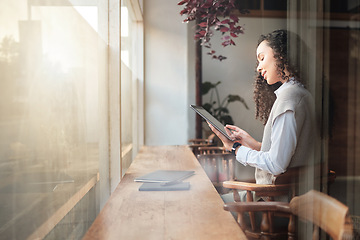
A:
(342, 47)
(279, 5)
(342, 7)
(248, 4)
(127, 75)
(51, 67)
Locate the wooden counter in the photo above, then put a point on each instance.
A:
(194, 214)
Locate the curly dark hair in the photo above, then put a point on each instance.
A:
(264, 95)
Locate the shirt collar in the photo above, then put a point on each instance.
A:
(285, 85)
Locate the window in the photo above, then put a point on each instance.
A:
(131, 83)
(264, 8)
(59, 61)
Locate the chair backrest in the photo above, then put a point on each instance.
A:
(325, 212)
(290, 176)
(208, 140)
(195, 143)
(212, 150)
(295, 176)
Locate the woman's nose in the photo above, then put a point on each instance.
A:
(258, 68)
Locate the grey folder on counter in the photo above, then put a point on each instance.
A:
(164, 180)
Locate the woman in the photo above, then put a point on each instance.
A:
(285, 107)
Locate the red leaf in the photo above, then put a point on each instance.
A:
(233, 35)
(224, 29)
(203, 24)
(182, 2)
(184, 11)
(225, 21)
(207, 4)
(202, 33)
(234, 18)
(226, 43)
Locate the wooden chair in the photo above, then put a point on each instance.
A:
(322, 210)
(285, 186)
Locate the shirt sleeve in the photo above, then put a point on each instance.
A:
(283, 144)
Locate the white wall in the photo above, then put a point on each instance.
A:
(170, 73)
(166, 74)
(236, 73)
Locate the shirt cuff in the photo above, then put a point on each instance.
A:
(241, 155)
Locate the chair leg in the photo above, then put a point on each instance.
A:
(291, 227)
(241, 221)
(249, 198)
(265, 227)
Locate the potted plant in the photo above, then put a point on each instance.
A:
(217, 107)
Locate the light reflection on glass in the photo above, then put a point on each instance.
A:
(50, 70)
(124, 21)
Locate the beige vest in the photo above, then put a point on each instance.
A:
(297, 99)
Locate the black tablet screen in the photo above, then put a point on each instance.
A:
(211, 119)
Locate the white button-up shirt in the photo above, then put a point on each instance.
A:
(283, 144)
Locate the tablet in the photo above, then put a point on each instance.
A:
(211, 119)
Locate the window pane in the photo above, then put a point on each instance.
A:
(249, 4)
(280, 5)
(129, 50)
(51, 69)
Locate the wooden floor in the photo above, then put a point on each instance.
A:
(191, 214)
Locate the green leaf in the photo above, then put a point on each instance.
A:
(207, 107)
(216, 84)
(234, 98)
(206, 87)
(222, 110)
(226, 119)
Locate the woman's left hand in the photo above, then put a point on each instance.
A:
(241, 136)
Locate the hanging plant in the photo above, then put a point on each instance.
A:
(210, 15)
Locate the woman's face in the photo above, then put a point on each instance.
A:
(267, 64)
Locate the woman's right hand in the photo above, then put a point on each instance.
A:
(226, 142)
(242, 137)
